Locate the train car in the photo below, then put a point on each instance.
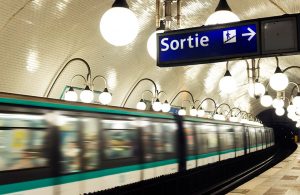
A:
(56, 147)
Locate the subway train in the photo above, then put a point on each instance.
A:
(57, 147)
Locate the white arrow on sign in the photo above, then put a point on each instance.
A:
(251, 34)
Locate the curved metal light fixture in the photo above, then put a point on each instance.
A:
(201, 111)
(105, 97)
(135, 86)
(53, 82)
(166, 107)
(71, 95)
(216, 114)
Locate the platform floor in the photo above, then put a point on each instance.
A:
(283, 178)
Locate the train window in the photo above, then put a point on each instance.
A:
(22, 141)
(120, 143)
(226, 140)
(190, 138)
(148, 144)
(70, 150)
(212, 140)
(164, 138)
(22, 120)
(239, 139)
(90, 143)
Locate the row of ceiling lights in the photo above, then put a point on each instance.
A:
(87, 96)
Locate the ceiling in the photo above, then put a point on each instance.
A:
(38, 37)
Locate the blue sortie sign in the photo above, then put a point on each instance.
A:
(200, 45)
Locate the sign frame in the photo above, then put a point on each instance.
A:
(260, 53)
(209, 59)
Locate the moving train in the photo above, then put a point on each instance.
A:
(57, 147)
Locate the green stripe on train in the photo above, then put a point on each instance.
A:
(28, 185)
(80, 108)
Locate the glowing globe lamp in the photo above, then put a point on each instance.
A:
(166, 107)
(296, 100)
(193, 111)
(279, 81)
(157, 106)
(119, 25)
(227, 84)
(256, 90)
(222, 14)
(141, 105)
(278, 103)
(71, 95)
(182, 112)
(279, 111)
(87, 96)
(266, 100)
(105, 97)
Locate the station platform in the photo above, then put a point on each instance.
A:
(283, 178)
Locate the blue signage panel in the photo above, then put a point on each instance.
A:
(207, 44)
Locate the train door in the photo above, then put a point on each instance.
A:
(247, 140)
(159, 148)
(252, 136)
(239, 141)
(191, 146)
(226, 142)
(207, 143)
(259, 139)
(263, 137)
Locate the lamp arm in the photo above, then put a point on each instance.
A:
(162, 92)
(88, 77)
(134, 87)
(230, 112)
(216, 110)
(99, 76)
(205, 100)
(77, 75)
(196, 102)
(183, 91)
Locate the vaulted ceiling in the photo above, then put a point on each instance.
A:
(38, 37)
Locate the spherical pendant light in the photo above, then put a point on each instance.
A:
(298, 124)
(87, 96)
(141, 105)
(193, 111)
(278, 103)
(152, 44)
(279, 81)
(291, 115)
(222, 14)
(291, 108)
(157, 106)
(233, 119)
(166, 107)
(296, 100)
(279, 111)
(182, 112)
(227, 84)
(256, 90)
(119, 25)
(266, 100)
(201, 112)
(105, 97)
(71, 95)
